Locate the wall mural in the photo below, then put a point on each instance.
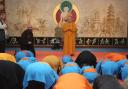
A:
(108, 18)
(2, 6)
(95, 19)
(111, 25)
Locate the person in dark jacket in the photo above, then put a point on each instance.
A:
(27, 40)
(106, 82)
(11, 75)
(86, 58)
(3, 31)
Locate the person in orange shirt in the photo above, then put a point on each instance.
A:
(72, 81)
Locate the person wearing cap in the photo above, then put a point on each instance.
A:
(11, 75)
(27, 40)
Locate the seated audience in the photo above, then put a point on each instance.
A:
(106, 82)
(6, 56)
(11, 75)
(39, 75)
(54, 62)
(107, 67)
(70, 67)
(24, 62)
(124, 71)
(86, 58)
(66, 59)
(72, 81)
(89, 73)
(21, 54)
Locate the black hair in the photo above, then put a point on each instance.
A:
(86, 58)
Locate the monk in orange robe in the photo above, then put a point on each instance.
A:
(69, 30)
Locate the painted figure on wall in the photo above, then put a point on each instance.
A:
(69, 28)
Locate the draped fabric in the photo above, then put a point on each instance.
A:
(24, 62)
(24, 53)
(6, 56)
(69, 30)
(72, 81)
(41, 72)
(54, 62)
(107, 67)
(66, 59)
(106, 82)
(89, 72)
(70, 67)
(11, 75)
(124, 72)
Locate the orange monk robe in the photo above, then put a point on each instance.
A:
(72, 81)
(69, 30)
